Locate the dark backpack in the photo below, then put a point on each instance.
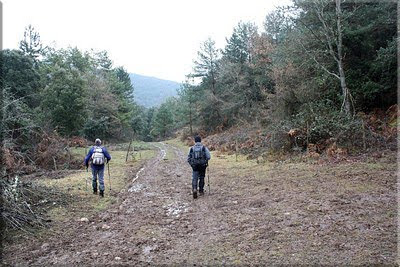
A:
(198, 159)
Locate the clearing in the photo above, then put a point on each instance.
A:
(290, 212)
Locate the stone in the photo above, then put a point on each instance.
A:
(105, 227)
(45, 246)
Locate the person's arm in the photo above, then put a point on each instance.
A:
(106, 154)
(189, 155)
(88, 156)
(208, 154)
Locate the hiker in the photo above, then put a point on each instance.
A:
(198, 158)
(97, 156)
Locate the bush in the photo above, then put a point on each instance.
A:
(316, 123)
(322, 121)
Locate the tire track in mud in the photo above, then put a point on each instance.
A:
(146, 222)
(248, 219)
(153, 161)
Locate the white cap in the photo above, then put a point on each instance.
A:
(98, 141)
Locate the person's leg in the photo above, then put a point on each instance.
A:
(202, 174)
(94, 180)
(101, 181)
(195, 177)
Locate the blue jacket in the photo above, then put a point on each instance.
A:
(89, 156)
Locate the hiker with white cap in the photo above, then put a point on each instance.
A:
(97, 155)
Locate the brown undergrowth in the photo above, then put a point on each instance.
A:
(378, 133)
(33, 203)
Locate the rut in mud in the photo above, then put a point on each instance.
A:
(253, 215)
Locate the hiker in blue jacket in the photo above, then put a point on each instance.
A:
(198, 158)
(97, 156)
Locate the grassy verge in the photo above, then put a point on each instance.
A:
(177, 143)
(351, 176)
(299, 210)
(78, 185)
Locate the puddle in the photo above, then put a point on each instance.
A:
(163, 154)
(135, 188)
(150, 194)
(148, 249)
(174, 209)
(138, 173)
(163, 151)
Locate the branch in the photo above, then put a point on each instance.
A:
(311, 31)
(326, 33)
(318, 63)
(17, 100)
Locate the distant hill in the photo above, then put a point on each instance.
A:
(150, 91)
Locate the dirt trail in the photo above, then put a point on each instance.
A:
(278, 218)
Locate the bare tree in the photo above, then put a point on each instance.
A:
(330, 35)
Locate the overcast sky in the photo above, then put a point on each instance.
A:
(157, 38)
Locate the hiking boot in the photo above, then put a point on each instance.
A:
(195, 193)
(95, 191)
(101, 193)
(201, 193)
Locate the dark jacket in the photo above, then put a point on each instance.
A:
(207, 152)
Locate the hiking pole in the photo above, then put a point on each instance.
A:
(109, 177)
(208, 179)
(86, 177)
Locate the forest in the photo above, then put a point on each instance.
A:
(319, 78)
(318, 72)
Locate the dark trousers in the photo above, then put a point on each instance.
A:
(198, 179)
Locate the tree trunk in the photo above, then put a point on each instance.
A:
(190, 115)
(342, 77)
(127, 152)
(190, 121)
(345, 90)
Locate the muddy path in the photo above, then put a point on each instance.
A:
(253, 215)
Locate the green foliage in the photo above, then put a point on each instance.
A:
(147, 128)
(162, 121)
(20, 77)
(31, 44)
(67, 90)
(17, 124)
(277, 25)
(286, 76)
(20, 83)
(237, 49)
(121, 83)
(322, 121)
(371, 53)
(64, 101)
(289, 76)
(138, 121)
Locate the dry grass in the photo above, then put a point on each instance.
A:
(301, 210)
(77, 186)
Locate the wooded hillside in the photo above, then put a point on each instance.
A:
(150, 91)
(318, 75)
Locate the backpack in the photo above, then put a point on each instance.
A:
(198, 159)
(97, 156)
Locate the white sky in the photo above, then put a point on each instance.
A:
(150, 37)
